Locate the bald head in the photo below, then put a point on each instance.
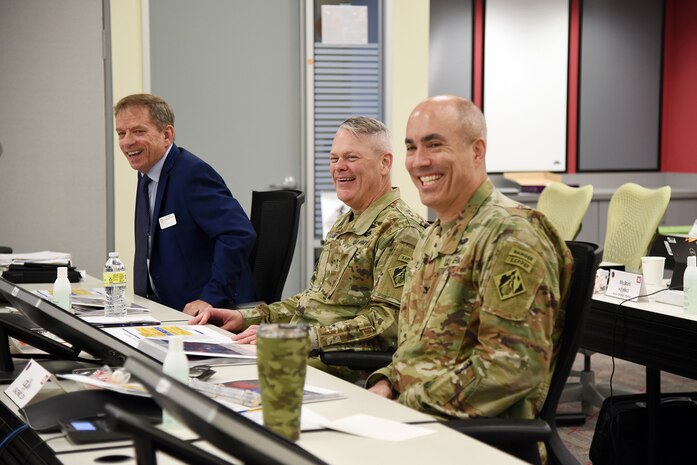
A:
(464, 115)
(446, 148)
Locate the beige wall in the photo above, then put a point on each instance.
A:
(406, 84)
(127, 78)
(406, 80)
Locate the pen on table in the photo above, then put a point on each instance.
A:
(249, 410)
(133, 335)
(124, 325)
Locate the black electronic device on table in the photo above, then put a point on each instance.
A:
(28, 272)
(680, 247)
(201, 372)
(90, 430)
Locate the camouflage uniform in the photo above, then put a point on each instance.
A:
(481, 319)
(354, 295)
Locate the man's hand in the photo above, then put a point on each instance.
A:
(382, 388)
(248, 336)
(196, 307)
(230, 320)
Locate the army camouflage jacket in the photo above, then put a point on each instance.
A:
(355, 290)
(481, 313)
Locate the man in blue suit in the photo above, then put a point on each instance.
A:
(193, 239)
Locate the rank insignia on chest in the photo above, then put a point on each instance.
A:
(509, 284)
(398, 275)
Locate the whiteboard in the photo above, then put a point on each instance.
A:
(525, 84)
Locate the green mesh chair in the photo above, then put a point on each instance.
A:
(632, 221)
(565, 207)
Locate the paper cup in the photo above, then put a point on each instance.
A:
(652, 269)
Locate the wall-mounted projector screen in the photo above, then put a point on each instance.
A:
(526, 46)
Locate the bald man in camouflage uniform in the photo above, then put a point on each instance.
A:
(354, 295)
(481, 313)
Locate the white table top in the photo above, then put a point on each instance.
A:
(649, 304)
(444, 447)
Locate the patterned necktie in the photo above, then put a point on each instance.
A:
(140, 266)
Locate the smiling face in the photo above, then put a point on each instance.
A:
(359, 169)
(445, 153)
(140, 140)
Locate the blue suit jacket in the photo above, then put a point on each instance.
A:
(205, 255)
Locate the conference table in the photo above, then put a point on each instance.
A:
(444, 446)
(657, 335)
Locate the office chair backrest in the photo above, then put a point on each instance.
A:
(275, 217)
(633, 217)
(565, 207)
(587, 257)
(5, 249)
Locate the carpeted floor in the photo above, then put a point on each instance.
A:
(628, 377)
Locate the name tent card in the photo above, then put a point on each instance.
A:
(27, 384)
(626, 285)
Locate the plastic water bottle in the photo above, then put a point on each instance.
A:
(689, 285)
(62, 292)
(176, 366)
(114, 278)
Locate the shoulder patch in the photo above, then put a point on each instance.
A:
(509, 284)
(521, 259)
(398, 275)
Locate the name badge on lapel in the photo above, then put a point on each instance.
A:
(168, 221)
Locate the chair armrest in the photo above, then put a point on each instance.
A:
(494, 430)
(357, 360)
(247, 305)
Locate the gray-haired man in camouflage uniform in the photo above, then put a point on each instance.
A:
(354, 295)
(481, 313)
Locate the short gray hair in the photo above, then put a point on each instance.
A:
(367, 126)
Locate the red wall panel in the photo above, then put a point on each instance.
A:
(679, 113)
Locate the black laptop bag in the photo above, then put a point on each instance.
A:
(621, 432)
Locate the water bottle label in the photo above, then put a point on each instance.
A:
(114, 278)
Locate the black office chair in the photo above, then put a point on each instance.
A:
(357, 360)
(275, 217)
(520, 437)
(4, 249)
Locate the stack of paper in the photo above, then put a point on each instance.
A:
(90, 302)
(56, 258)
(128, 320)
(132, 388)
(247, 392)
(199, 341)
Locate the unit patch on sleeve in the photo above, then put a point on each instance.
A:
(398, 275)
(509, 284)
(521, 258)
